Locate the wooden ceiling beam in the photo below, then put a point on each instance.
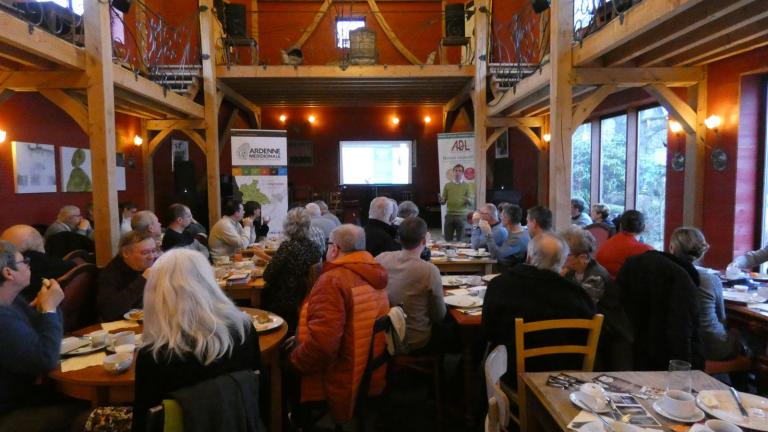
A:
(192, 124)
(733, 51)
(353, 71)
(20, 34)
(249, 108)
(32, 81)
(534, 83)
(154, 93)
(744, 36)
(24, 58)
(74, 108)
(678, 108)
(497, 122)
(697, 16)
(639, 19)
(636, 77)
(745, 21)
(138, 104)
(583, 109)
(461, 97)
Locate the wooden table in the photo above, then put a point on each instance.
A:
(464, 265)
(756, 322)
(250, 290)
(100, 387)
(548, 409)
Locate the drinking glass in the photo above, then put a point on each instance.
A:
(679, 376)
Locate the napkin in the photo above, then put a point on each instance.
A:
(116, 325)
(82, 362)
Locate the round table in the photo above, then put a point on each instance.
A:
(100, 387)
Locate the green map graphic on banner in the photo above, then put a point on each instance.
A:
(251, 192)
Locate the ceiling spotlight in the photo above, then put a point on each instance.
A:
(546, 137)
(427, 119)
(395, 120)
(675, 127)
(137, 140)
(312, 119)
(283, 118)
(712, 122)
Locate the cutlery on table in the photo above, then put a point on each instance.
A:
(737, 398)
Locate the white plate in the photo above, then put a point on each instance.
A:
(575, 397)
(743, 297)
(727, 410)
(276, 322)
(463, 301)
(452, 281)
(474, 253)
(489, 277)
(693, 419)
(437, 253)
(87, 349)
(130, 313)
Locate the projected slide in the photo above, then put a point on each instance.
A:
(375, 162)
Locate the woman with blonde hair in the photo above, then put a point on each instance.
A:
(192, 331)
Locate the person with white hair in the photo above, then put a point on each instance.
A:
(192, 331)
(488, 223)
(69, 219)
(327, 212)
(380, 234)
(318, 221)
(535, 292)
(146, 221)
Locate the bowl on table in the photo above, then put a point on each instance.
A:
(118, 363)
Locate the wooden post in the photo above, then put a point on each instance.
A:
(479, 98)
(543, 162)
(211, 109)
(101, 127)
(147, 165)
(561, 106)
(693, 182)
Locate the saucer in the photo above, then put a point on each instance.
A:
(698, 416)
(576, 399)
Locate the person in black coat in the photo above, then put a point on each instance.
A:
(380, 234)
(536, 292)
(659, 294)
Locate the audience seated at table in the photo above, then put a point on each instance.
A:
(69, 219)
(318, 221)
(489, 214)
(121, 282)
(601, 215)
(407, 209)
(578, 216)
(227, 235)
(327, 213)
(287, 274)
(336, 326)
(192, 332)
(614, 251)
(752, 258)
(538, 220)
(30, 340)
(127, 210)
(416, 284)
(260, 225)
(380, 234)
(29, 242)
(512, 250)
(718, 343)
(615, 347)
(147, 222)
(176, 236)
(659, 292)
(535, 291)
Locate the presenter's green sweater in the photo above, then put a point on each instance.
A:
(455, 196)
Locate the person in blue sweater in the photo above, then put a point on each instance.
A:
(489, 214)
(30, 340)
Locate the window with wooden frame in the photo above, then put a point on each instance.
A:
(343, 26)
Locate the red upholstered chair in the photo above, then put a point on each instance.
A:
(600, 232)
(79, 305)
(80, 256)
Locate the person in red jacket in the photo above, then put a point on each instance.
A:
(336, 325)
(623, 245)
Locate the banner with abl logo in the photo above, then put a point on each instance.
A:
(259, 148)
(455, 149)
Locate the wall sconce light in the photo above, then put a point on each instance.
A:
(718, 156)
(138, 141)
(427, 119)
(312, 119)
(3, 135)
(546, 137)
(678, 157)
(395, 120)
(283, 118)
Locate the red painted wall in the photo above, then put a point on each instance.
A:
(28, 117)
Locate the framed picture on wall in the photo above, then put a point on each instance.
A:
(179, 151)
(34, 167)
(502, 146)
(76, 169)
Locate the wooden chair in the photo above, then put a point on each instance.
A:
(79, 305)
(80, 256)
(166, 417)
(593, 326)
(498, 403)
(427, 365)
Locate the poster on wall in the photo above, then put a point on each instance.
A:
(268, 187)
(455, 149)
(34, 167)
(502, 146)
(179, 151)
(75, 169)
(259, 147)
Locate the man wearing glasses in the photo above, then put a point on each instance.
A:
(69, 219)
(121, 282)
(488, 223)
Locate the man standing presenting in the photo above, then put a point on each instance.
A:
(458, 197)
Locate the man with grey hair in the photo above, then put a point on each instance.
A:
(489, 221)
(69, 219)
(406, 209)
(380, 234)
(326, 212)
(535, 292)
(337, 318)
(318, 221)
(146, 221)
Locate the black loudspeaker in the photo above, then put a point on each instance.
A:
(540, 6)
(454, 20)
(122, 5)
(184, 177)
(235, 17)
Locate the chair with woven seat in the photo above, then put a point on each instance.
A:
(593, 326)
(79, 305)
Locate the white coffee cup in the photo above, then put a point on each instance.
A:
(678, 403)
(593, 395)
(98, 337)
(721, 426)
(117, 363)
(125, 348)
(125, 338)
